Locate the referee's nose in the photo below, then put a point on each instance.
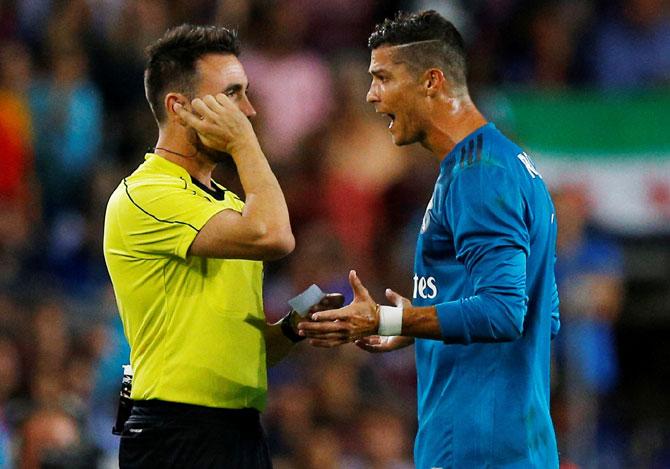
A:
(247, 108)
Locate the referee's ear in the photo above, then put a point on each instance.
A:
(433, 81)
(170, 100)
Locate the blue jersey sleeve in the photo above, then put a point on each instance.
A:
(555, 316)
(485, 210)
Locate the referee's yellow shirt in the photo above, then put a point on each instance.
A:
(195, 325)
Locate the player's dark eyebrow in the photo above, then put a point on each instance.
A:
(377, 71)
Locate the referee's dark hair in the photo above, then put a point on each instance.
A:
(171, 60)
(430, 41)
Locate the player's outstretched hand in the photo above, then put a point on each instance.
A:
(379, 344)
(340, 326)
(219, 123)
(330, 301)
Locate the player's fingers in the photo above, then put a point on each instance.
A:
(326, 343)
(373, 344)
(359, 290)
(331, 315)
(394, 297)
(327, 336)
(372, 348)
(371, 340)
(323, 327)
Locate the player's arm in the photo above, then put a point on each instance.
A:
(491, 241)
(494, 313)
(263, 230)
(555, 316)
(487, 214)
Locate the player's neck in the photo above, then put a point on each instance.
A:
(187, 156)
(451, 125)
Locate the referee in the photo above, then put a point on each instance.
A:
(185, 258)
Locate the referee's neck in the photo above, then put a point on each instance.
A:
(188, 157)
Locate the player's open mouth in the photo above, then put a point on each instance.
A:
(392, 117)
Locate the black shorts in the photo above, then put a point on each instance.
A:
(162, 434)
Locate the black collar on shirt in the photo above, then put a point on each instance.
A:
(218, 193)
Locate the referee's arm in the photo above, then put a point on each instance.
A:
(277, 344)
(263, 230)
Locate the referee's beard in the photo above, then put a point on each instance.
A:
(215, 156)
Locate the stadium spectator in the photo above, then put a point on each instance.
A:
(632, 45)
(589, 273)
(18, 192)
(51, 439)
(352, 201)
(10, 381)
(302, 103)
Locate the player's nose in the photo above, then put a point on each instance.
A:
(372, 96)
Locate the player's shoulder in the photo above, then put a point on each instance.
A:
(486, 150)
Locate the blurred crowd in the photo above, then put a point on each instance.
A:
(74, 122)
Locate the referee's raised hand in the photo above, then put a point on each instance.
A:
(219, 122)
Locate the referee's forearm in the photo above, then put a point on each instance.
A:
(277, 345)
(265, 202)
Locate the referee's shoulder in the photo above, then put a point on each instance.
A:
(143, 181)
(146, 189)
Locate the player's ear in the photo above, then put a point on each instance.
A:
(433, 81)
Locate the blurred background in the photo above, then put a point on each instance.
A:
(583, 85)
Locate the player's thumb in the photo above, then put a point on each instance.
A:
(394, 297)
(360, 292)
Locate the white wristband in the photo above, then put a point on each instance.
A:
(390, 320)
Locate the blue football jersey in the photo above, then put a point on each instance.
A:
(485, 258)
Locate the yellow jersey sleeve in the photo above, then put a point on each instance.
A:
(166, 214)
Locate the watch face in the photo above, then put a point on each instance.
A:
(333, 300)
(288, 327)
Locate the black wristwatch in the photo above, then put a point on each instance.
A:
(286, 325)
